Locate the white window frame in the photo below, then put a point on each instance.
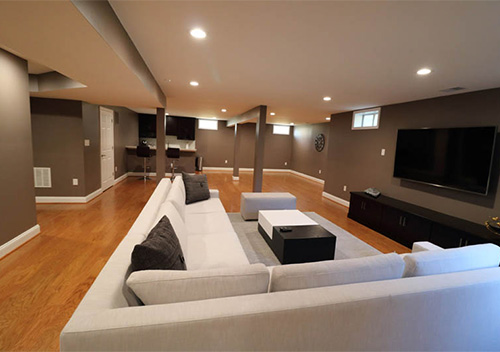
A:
(365, 112)
(280, 129)
(204, 124)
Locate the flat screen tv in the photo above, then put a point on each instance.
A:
(457, 158)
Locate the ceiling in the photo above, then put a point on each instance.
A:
(55, 34)
(288, 55)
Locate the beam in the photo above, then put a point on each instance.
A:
(246, 116)
(160, 144)
(103, 18)
(260, 139)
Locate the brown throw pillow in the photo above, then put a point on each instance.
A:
(196, 187)
(161, 250)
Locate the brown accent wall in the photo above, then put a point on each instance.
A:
(58, 132)
(92, 153)
(126, 132)
(305, 158)
(17, 190)
(355, 160)
(216, 146)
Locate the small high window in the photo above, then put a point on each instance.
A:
(207, 124)
(281, 129)
(366, 119)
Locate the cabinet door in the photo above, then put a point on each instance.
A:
(446, 237)
(365, 211)
(405, 228)
(391, 223)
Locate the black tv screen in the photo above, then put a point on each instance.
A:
(458, 158)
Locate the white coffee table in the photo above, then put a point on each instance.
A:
(270, 218)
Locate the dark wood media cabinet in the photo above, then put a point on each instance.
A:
(407, 223)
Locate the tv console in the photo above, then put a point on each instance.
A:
(407, 223)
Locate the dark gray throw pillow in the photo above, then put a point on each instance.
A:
(196, 187)
(161, 250)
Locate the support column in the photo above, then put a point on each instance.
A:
(260, 138)
(160, 144)
(236, 159)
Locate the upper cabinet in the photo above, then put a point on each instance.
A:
(179, 126)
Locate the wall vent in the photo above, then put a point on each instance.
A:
(452, 89)
(42, 177)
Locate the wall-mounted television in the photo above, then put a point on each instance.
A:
(457, 158)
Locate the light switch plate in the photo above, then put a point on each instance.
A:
(382, 152)
(75, 182)
(319, 172)
(86, 142)
(345, 188)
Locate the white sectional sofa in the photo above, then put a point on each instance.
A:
(452, 311)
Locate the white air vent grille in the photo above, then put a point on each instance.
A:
(42, 177)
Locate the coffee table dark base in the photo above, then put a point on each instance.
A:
(309, 243)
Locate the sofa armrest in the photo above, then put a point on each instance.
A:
(214, 193)
(424, 246)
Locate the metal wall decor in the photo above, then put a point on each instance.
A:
(319, 142)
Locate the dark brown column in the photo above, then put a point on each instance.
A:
(260, 138)
(160, 144)
(236, 162)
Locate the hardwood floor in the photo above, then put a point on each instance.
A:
(42, 282)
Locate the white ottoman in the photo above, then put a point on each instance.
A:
(251, 203)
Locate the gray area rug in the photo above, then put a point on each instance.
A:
(257, 250)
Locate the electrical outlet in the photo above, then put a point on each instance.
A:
(116, 168)
(345, 188)
(319, 172)
(286, 163)
(225, 161)
(382, 152)
(86, 142)
(75, 182)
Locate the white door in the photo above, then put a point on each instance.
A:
(107, 149)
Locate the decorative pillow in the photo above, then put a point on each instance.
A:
(160, 250)
(164, 286)
(196, 187)
(336, 272)
(480, 256)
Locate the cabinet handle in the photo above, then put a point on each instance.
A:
(404, 221)
(461, 239)
(466, 242)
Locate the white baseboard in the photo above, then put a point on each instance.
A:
(92, 195)
(19, 240)
(64, 199)
(336, 199)
(121, 178)
(213, 168)
(312, 178)
(242, 169)
(236, 178)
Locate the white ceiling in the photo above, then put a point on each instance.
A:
(288, 55)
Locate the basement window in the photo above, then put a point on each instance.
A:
(207, 124)
(367, 119)
(281, 129)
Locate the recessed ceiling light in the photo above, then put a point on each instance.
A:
(223, 110)
(424, 71)
(194, 83)
(327, 98)
(327, 118)
(198, 33)
(272, 114)
(291, 124)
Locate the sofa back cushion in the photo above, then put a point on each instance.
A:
(177, 196)
(479, 256)
(160, 250)
(336, 272)
(167, 286)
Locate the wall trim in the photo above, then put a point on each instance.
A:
(312, 178)
(336, 199)
(65, 199)
(19, 240)
(121, 178)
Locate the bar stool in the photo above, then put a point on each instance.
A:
(143, 151)
(173, 153)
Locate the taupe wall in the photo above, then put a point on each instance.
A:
(216, 146)
(92, 153)
(17, 191)
(57, 128)
(355, 160)
(305, 158)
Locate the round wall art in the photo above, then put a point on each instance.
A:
(319, 142)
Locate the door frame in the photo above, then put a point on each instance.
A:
(101, 110)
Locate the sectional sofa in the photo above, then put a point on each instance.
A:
(386, 302)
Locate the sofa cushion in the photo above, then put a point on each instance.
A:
(212, 205)
(216, 250)
(336, 272)
(160, 250)
(168, 286)
(170, 211)
(196, 187)
(479, 256)
(208, 223)
(177, 197)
